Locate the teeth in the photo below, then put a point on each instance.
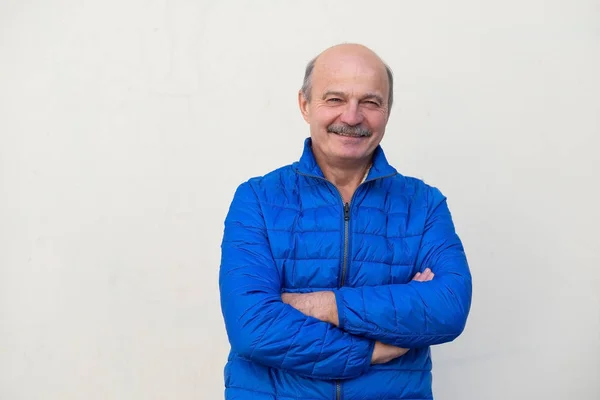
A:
(358, 135)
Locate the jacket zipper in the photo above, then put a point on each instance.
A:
(338, 385)
(346, 227)
(343, 277)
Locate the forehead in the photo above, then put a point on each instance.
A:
(350, 73)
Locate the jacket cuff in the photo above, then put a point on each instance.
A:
(341, 310)
(361, 356)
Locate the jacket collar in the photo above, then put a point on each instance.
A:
(307, 164)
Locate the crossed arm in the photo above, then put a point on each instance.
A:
(337, 334)
(322, 305)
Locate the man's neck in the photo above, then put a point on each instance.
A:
(345, 176)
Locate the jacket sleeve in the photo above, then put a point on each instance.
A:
(416, 314)
(262, 328)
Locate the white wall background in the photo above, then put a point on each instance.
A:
(125, 127)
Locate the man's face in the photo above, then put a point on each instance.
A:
(348, 110)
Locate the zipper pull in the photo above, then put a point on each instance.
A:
(346, 211)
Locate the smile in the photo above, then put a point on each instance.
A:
(352, 135)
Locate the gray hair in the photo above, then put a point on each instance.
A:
(307, 83)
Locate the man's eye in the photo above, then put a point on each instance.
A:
(334, 100)
(372, 103)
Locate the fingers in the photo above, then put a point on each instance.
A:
(428, 275)
(424, 276)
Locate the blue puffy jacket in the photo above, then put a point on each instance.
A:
(289, 231)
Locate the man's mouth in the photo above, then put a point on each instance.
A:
(349, 135)
(349, 131)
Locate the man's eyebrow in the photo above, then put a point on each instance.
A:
(333, 93)
(367, 96)
(373, 96)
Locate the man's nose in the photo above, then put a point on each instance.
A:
(352, 114)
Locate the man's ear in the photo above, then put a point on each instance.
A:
(303, 104)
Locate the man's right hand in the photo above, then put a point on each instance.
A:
(384, 353)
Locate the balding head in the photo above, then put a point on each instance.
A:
(341, 53)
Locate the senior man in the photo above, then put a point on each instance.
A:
(337, 272)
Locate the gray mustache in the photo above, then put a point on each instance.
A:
(349, 130)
